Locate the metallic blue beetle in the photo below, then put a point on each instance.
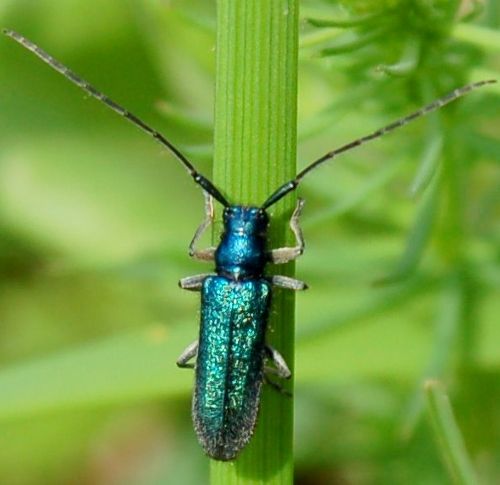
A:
(231, 350)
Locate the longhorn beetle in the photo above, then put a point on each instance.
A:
(231, 351)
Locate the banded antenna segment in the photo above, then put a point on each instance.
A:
(435, 105)
(199, 179)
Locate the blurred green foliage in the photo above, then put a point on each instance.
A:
(402, 236)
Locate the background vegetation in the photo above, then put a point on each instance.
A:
(402, 241)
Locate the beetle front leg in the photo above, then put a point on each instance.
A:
(286, 254)
(208, 253)
(189, 352)
(193, 283)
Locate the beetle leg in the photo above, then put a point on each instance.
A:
(288, 283)
(277, 387)
(208, 253)
(189, 352)
(286, 254)
(280, 369)
(193, 283)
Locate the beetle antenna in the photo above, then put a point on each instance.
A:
(199, 179)
(435, 105)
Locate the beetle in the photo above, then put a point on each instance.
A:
(231, 351)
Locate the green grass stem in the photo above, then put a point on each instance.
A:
(451, 443)
(255, 152)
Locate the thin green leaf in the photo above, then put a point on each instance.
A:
(485, 145)
(428, 165)
(356, 197)
(380, 301)
(353, 42)
(117, 370)
(408, 62)
(446, 327)
(350, 22)
(332, 113)
(479, 35)
(417, 240)
(450, 441)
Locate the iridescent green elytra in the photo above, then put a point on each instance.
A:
(231, 347)
(231, 351)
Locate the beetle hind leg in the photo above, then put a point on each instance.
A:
(188, 353)
(280, 367)
(277, 387)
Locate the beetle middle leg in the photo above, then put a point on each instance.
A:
(189, 352)
(206, 254)
(286, 254)
(288, 283)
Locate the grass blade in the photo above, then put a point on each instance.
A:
(255, 145)
(451, 443)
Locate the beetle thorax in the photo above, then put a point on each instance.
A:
(241, 253)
